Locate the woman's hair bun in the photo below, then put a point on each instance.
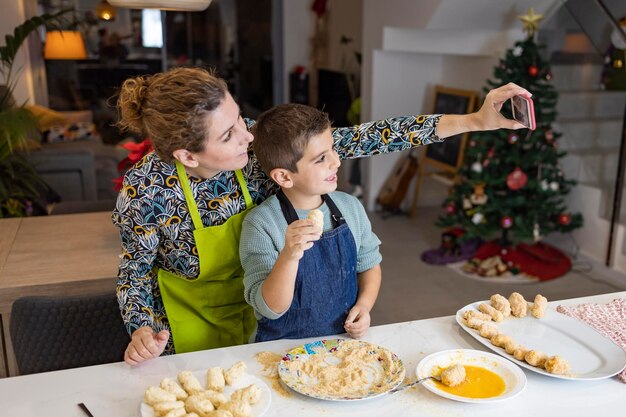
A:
(130, 103)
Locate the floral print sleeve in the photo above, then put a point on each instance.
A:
(384, 136)
(140, 243)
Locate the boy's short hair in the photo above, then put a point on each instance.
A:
(282, 133)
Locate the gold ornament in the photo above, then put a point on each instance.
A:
(531, 22)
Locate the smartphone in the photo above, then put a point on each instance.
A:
(524, 111)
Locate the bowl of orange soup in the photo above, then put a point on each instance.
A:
(488, 377)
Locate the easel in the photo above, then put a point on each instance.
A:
(448, 158)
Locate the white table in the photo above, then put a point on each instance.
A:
(117, 389)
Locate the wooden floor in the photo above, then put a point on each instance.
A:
(413, 290)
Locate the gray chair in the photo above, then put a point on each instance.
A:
(52, 333)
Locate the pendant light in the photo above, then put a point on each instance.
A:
(180, 5)
(105, 11)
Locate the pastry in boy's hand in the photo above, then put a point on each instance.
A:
(318, 218)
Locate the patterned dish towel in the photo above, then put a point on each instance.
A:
(608, 319)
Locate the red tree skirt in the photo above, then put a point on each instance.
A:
(539, 260)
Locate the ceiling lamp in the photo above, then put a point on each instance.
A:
(105, 11)
(181, 5)
(64, 44)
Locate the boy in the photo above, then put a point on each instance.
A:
(303, 281)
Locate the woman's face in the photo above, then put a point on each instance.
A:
(226, 148)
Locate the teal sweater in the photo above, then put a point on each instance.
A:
(263, 237)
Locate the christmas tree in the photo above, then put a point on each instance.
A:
(511, 184)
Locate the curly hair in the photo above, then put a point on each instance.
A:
(171, 108)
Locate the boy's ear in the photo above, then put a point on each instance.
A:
(282, 177)
(186, 158)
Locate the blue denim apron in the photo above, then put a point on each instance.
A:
(326, 283)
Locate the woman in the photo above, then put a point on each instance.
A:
(180, 209)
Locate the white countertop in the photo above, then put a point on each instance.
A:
(117, 389)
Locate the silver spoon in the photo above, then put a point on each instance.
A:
(419, 381)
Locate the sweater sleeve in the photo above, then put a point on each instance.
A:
(368, 253)
(258, 255)
(140, 241)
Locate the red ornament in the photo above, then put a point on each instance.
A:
(513, 138)
(506, 222)
(533, 70)
(565, 219)
(491, 153)
(549, 136)
(516, 179)
(450, 208)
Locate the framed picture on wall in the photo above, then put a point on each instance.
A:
(448, 155)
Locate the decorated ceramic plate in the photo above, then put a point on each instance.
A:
(341, 370)
(590, 355)
(258, 409)
(489, 377)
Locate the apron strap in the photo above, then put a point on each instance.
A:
(291, 216)
(191, 203)
(334, 211)
(244, 188)
(286, 207)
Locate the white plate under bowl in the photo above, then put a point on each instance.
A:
(258, 409)
(513, 377)
(590, 355)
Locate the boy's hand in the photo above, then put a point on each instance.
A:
(300, 236)
(358, 321)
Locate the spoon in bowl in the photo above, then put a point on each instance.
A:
(419, 381)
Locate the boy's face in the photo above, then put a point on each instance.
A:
(317, 169)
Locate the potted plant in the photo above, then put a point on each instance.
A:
(20, 184)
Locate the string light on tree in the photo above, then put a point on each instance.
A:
(506, 222)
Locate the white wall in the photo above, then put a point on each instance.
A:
(344, 18)
(399, 74)
(11, 16)
(297, 32)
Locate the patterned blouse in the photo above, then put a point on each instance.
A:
(157, 230)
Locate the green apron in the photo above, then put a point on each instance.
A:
(209, 311)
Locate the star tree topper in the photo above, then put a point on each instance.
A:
(531, 21)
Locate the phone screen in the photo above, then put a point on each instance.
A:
(523, 111)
